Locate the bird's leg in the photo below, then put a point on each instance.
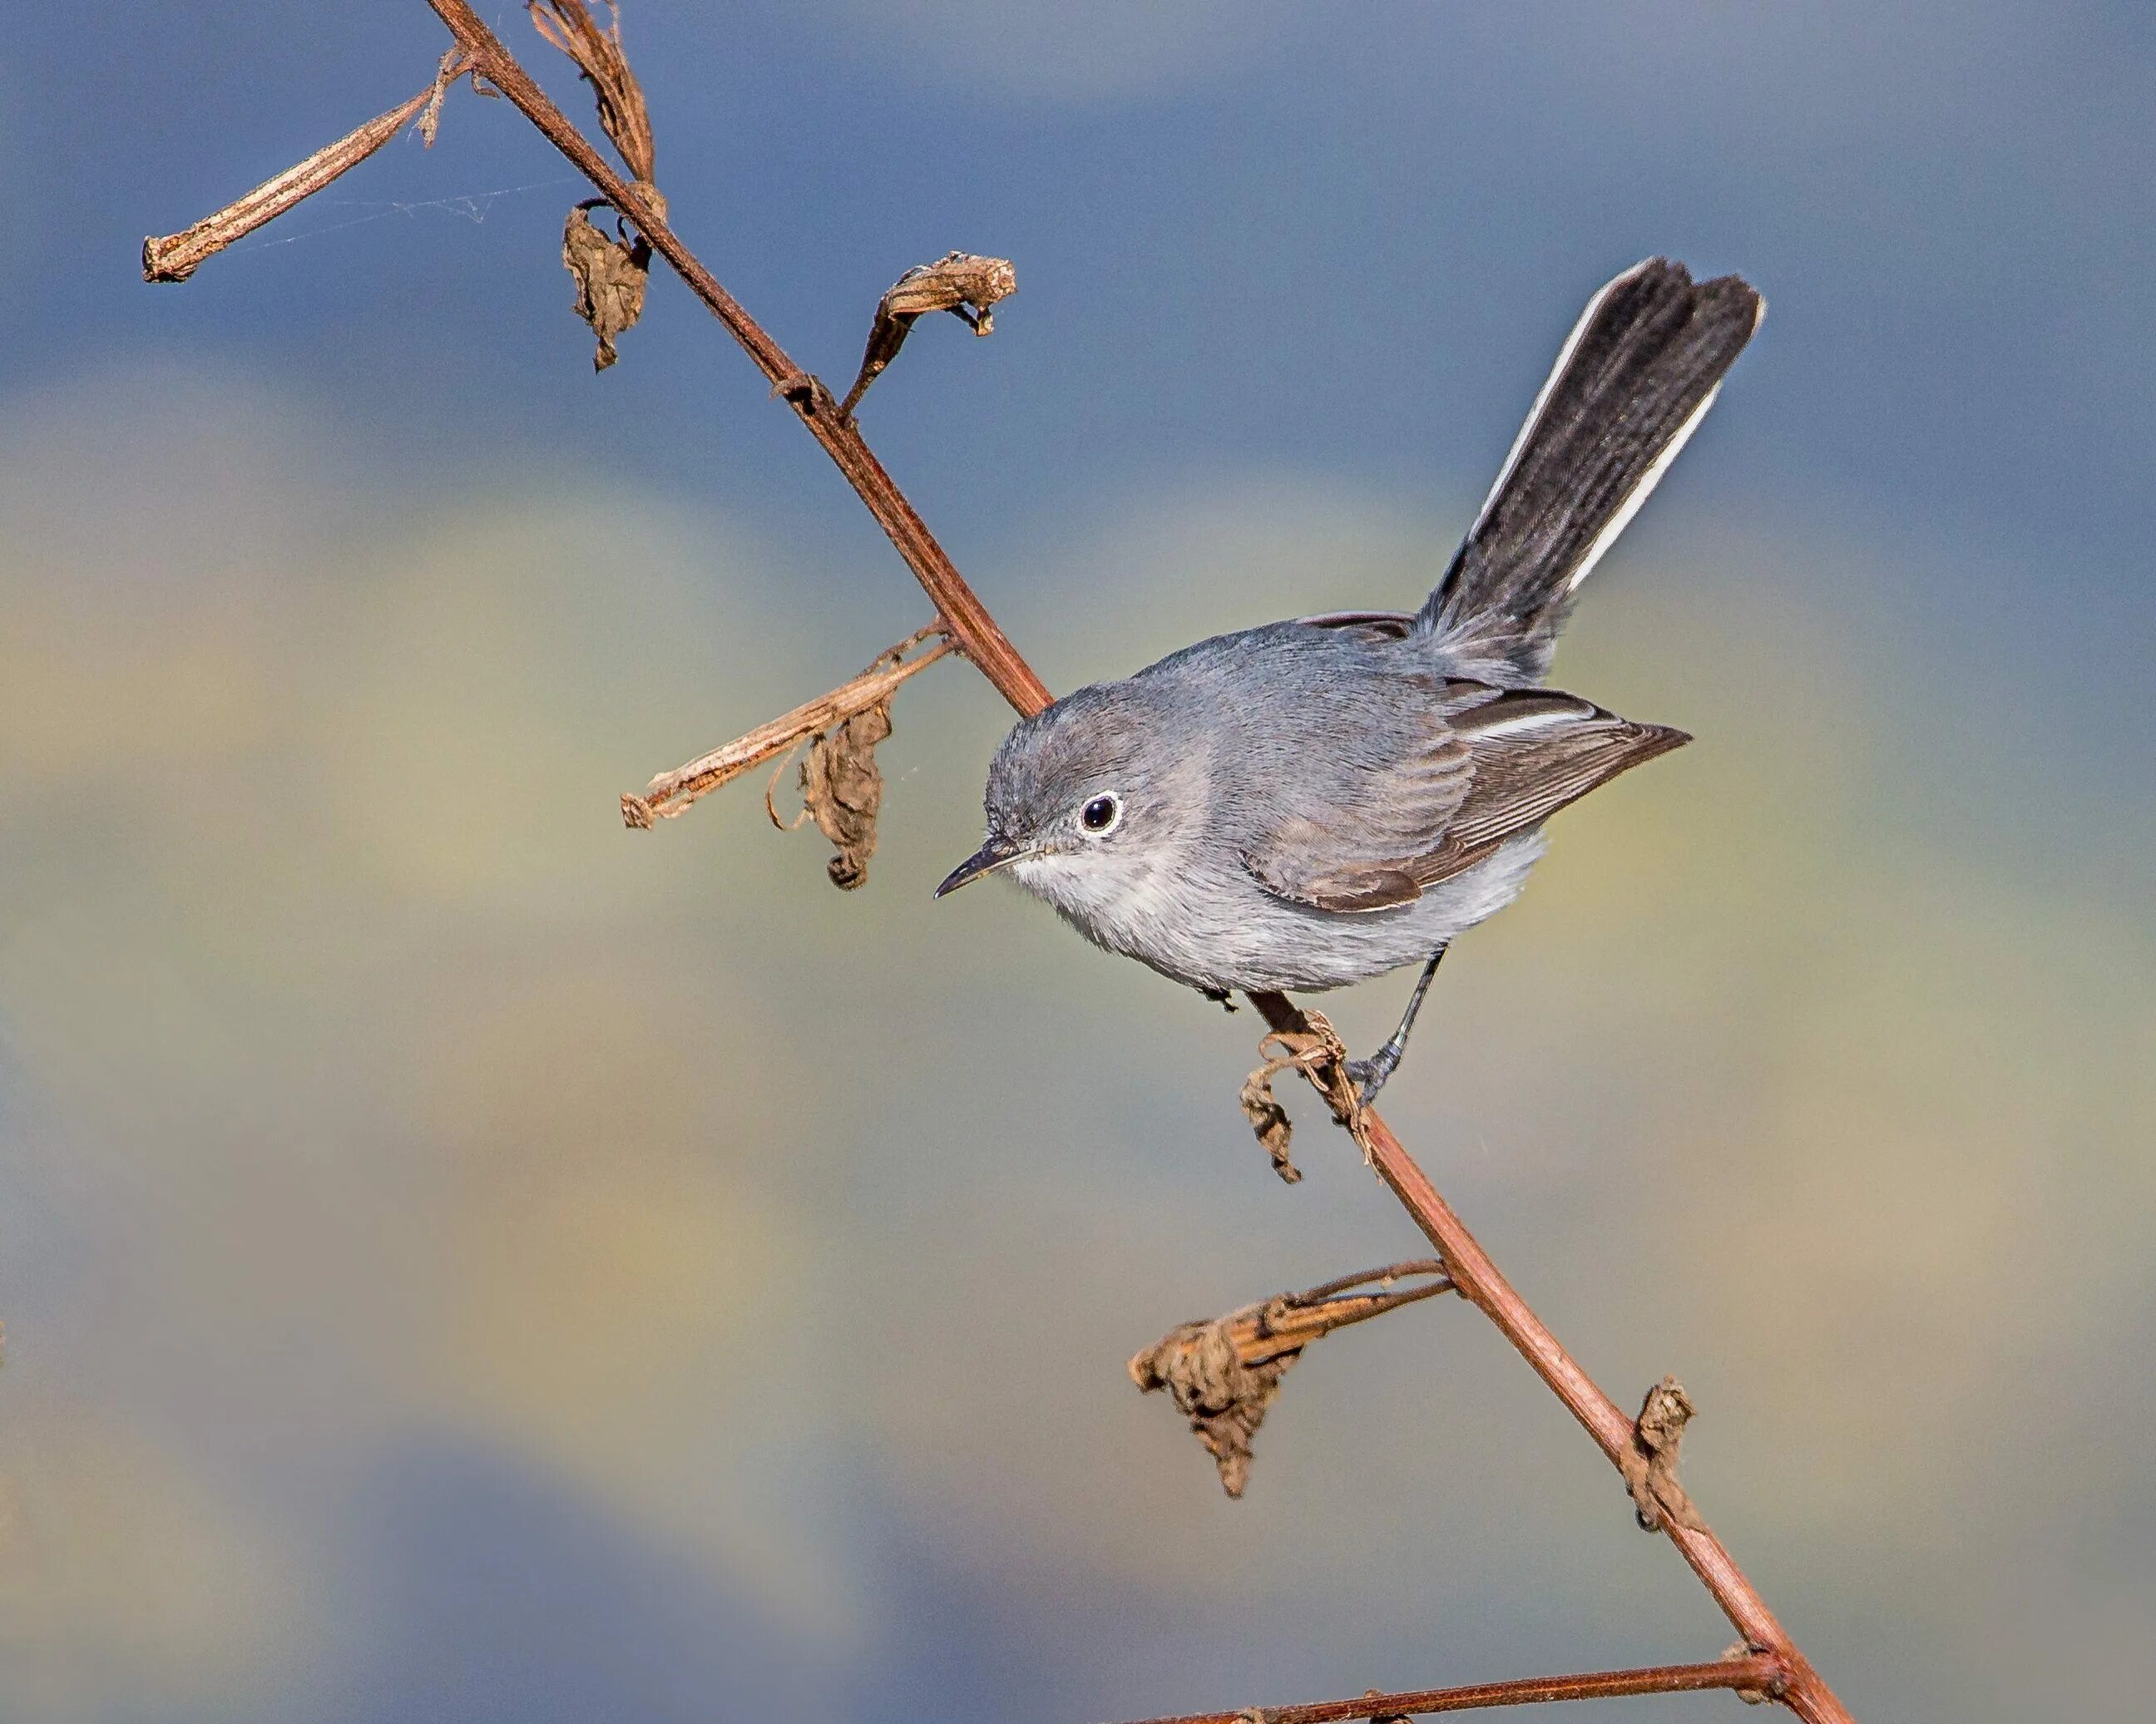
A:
(1368, 1076)
(1220, 997)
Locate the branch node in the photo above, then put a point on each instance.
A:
(430, 117)
(803, 391)
(1776, 1685)
(1649, 1464)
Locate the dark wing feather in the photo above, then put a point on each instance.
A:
(1495, 763)
(1535, 752)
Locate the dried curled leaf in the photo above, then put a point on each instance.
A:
(1318, 1053)
(959, 282)
(600, 58)
(610, 276)
(1224, 1399)
(610, 273)
(841, 786)
(1269, 1121)
(842, 789)
(1223, 1374)
(1650, 1466)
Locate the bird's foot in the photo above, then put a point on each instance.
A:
(1368, 1076)
(1221, 998)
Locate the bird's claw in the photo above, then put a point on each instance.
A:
(1368, 1076)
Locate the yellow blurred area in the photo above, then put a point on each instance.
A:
(121, 1572)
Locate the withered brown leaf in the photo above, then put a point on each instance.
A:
(842, 789)
(1224, 1399)
(1269, 1121)
(958, 282)
(1315, 1052)
(1650, 1466)
(610, 275)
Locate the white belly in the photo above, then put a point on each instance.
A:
(1226, 932)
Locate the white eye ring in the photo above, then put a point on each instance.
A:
(1101, 815)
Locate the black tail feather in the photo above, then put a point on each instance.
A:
(1634, 379)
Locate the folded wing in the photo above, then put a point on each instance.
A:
(1497, 763)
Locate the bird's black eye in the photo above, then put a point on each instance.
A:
(1101, 813)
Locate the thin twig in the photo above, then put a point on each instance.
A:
(1295, 1320)
(671, 793)
(1758, 1673)
(177, 256)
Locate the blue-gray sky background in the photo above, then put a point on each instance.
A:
(462, 1261)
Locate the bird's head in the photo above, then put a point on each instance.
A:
(1086, 800)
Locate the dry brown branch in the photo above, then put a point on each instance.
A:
(177, 256)
(966, 286)
(1774, 1666)
(1223, 1372)
(1756, 1672)
(671, 793)
(1650, 1467)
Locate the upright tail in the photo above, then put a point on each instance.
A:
(1633, 381)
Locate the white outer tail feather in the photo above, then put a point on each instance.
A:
(1549, 383)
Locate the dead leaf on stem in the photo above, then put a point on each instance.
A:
(1318, 1053)
(959, 282)
(842, 788)
(671, 793)
(1223, 1374)
(1224, 1399)
(1650, 1466)
(841, 785)
(610, 276)
(569, 24)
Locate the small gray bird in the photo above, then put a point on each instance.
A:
(1318, 801)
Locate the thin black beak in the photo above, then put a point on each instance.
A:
(996, 853)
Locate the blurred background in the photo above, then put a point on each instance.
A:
(463, 1260)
